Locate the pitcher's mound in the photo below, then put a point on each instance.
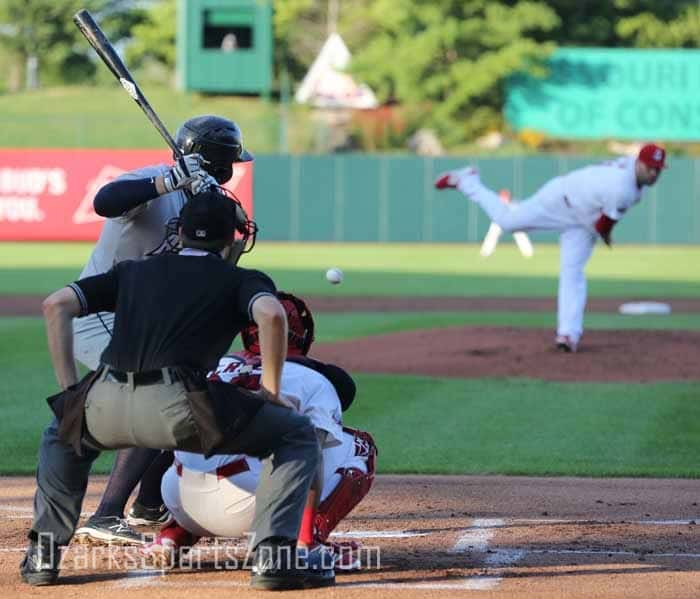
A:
(476, 352)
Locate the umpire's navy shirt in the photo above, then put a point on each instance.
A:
(173, 309)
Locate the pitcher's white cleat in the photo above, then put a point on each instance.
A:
(463, 179)
(566, 344)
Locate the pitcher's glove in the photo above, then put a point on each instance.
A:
(604, 226)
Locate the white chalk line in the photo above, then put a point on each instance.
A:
(138, 579)
(379, 534)
(616, 552)
(668, 522)
(473, 540)
(16, 512)
(155, 582)
(476, 539)
(689, 521)
(501, 557)
(20, 512)
(16, 508)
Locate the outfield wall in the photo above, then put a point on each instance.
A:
(47, 195)
(391, 198)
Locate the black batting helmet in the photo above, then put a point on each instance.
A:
(300, 330)
(217, 139)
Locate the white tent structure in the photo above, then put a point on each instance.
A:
(327, 86)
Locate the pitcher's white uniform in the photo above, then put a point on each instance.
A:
(570, 204)
(207, 501)
(138, 233)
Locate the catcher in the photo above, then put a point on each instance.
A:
(216, 496)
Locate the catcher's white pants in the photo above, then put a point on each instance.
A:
(547, 210)
(209, 506)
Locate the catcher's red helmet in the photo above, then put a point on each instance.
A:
(300, 332)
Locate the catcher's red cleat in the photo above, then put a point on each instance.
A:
(171, 542)
(346, 555)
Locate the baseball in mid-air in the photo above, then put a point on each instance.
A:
(334, 276)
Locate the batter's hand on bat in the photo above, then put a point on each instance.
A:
(202, 182)
(185, 171)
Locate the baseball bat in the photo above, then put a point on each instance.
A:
(98, 40)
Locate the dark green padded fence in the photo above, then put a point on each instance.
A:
(391, 198)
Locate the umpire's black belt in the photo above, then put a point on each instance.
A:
(146, 377)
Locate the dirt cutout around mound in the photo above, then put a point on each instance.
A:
(471, 304)
(30, 305)
(478, 352)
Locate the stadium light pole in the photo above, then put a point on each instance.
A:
(333, 16)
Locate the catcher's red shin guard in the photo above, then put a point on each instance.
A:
(352, 488)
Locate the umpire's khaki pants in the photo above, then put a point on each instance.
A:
(157, 416)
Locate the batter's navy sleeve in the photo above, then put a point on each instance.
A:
(118, 197)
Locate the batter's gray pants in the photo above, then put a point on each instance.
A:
(62, 475)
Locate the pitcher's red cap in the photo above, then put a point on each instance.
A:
(653, 156)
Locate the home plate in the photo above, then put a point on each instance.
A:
(645, 308)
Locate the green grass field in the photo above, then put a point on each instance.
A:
(507, 426)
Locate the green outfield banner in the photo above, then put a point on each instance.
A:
(603, 92)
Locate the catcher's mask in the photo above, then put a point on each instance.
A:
(246, 230)
(243, 235)
(300, 330)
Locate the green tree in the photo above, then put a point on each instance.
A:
(42, 35)
(154, 38)
(300, 28)
(647, 30)
(448, 59)
(623, 23)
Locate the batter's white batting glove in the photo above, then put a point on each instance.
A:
(183, 171)
(201, 182)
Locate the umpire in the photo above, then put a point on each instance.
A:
(175, 315)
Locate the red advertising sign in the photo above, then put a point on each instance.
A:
(46, 195)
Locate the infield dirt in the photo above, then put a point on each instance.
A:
(464, 537)
(454, 536)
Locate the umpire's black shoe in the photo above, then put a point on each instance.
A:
(318, 566)
(40, 564)
(278, 567)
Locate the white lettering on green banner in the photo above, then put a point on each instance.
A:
(604, 92)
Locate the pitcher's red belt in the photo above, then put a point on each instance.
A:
(230, 469)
